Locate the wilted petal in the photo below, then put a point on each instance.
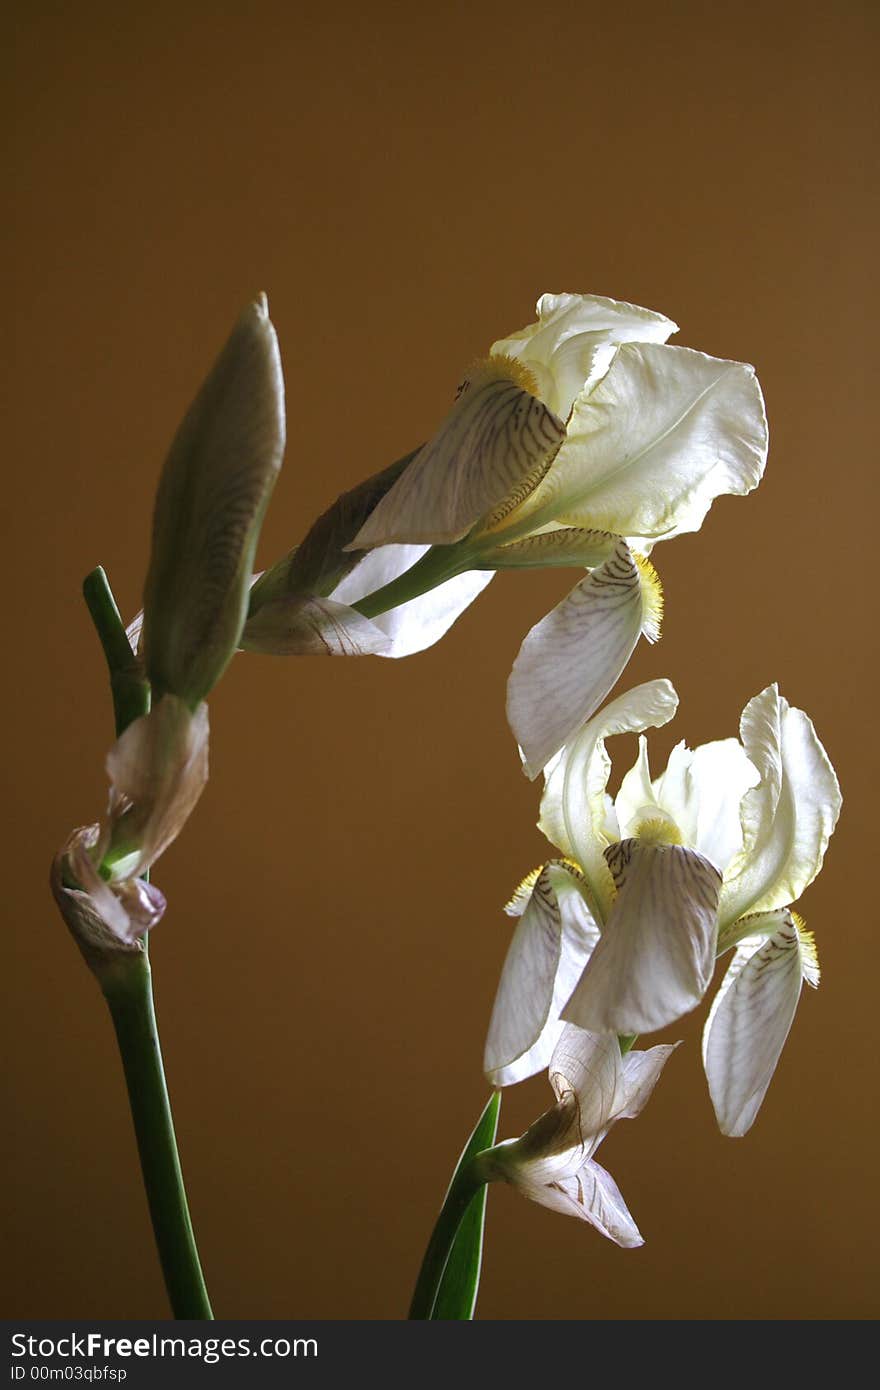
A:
(573, 806)
(592, 1195)
(550, 947)
(157, 768)
(213, 492)
(573, 341)
(103, 921)
(495, 439)
(641, 1072)
(788, 818)
(664, 433)
(750, 1020)
(655, 958)
(571, 659)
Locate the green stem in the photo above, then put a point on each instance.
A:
(129, 687)
(127, 985)
(128, 990)
(438, 564)
(464, 1187)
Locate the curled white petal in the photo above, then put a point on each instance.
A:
(570, 346)
(573, 806)
(664, 433)
(788, 818)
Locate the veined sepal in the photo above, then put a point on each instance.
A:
(752, 1014)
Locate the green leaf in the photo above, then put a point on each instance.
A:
(457, 1294)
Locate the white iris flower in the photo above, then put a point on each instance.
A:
(621, 935)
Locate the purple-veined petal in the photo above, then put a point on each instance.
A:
(656, 955)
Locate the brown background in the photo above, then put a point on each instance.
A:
(404, 181)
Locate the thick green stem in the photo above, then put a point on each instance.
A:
(127, 985)
(467, 1182)
(128, 990)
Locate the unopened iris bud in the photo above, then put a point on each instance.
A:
(212, 496)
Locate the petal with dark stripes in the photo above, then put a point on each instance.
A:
(656, 955)
(750, 1020)
(497, 438)
(571, 659)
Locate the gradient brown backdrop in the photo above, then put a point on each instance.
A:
(403, 181)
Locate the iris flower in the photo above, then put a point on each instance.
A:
(580, 441)
(620, 935)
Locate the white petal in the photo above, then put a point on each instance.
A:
(641, 1072)
(575, 335)
(494, 439)
(592, 1195)
(788, 818)
(413, 626)
(550, 947)
(655, 958)
(573, 807)
(588, 1069)
(664, 433)
(702, 791)
(571, 659)
(748, 1023)
(635, 797)
(158, 769)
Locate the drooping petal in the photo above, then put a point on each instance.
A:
(664, 433)
(592, 1195)
(655, 958)
(573, 807)
(214, 489)
(750, 1020)
(157, 769)
(497, 436)
(573, 341)
(550, 947)
(570, 660)
(788, 818)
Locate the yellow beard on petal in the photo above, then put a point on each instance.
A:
(809, 955)
(658, 830)
(652, 598)
(500, 367)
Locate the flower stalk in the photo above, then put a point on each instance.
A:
(126, 983)
(127, 987)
